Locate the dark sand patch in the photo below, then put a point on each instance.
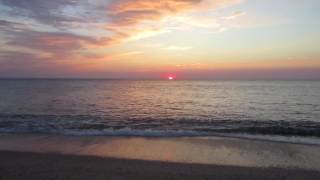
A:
(36, 166)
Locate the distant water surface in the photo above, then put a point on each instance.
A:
(160, 108)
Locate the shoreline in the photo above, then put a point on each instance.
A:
(298, 140)
(30, 165)
(214, 150)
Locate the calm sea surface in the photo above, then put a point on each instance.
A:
(160, 108)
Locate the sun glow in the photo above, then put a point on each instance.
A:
(170, 78)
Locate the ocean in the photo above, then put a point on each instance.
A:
(151, 108)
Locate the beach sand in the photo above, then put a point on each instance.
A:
(39, 166)
(35, 157)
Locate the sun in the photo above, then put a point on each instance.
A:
(169, 76)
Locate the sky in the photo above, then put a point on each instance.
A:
(154, 39)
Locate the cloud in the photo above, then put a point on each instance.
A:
(177, 48)
(20, 64)
(190, 66)
(235, 15)
(121, 20)
(47, 12)
(39, 31)
(5, 23)
(56, 43)
(128, 19)
(125, 12)
(45, 46)
(140, 16)
(219, 30)
(9, 26)
(131, 53)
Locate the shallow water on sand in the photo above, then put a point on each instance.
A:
(213, 150)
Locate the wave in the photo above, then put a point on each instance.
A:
(148, 127)
(174, 134)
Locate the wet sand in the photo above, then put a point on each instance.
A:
(36, 166)
(27, 156)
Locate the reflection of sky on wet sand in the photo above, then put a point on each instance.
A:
(221, 151)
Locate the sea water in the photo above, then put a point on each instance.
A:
(161, 108)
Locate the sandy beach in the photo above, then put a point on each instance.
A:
(23, 165)
(95, 157)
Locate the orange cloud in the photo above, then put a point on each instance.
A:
(162, 7)
(130, 19)
(118, 21)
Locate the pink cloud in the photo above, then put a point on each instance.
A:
(127, 15)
